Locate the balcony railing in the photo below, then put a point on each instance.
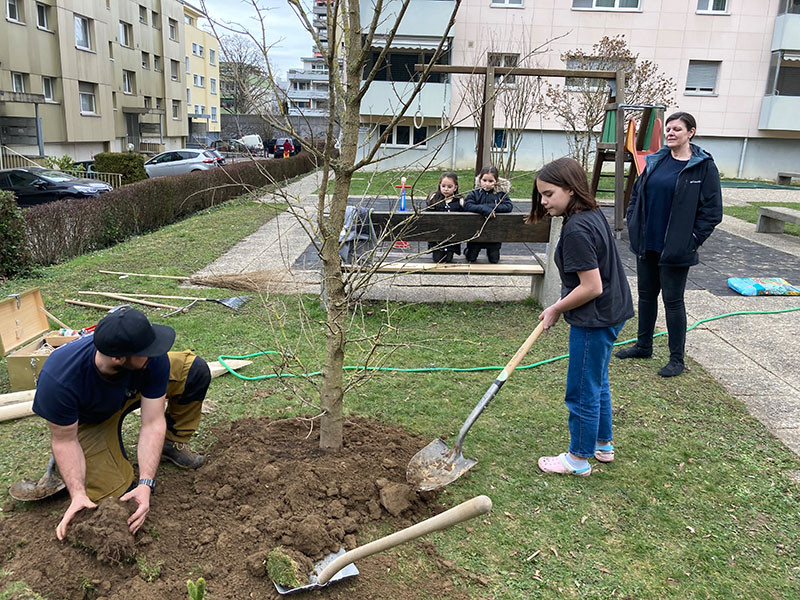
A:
(786, 35)
(780, 112)
(305, 94)
(386, 97)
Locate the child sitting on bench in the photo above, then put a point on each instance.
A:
(490, 198)
(445, 199)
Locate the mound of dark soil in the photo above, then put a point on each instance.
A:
(265, 484)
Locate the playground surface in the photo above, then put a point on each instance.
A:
(752, 355)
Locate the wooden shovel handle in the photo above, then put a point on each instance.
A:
(143, 275)
(125, 298)
(458, 514)
(89, 304)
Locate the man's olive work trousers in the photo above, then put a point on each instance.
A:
(108, 470)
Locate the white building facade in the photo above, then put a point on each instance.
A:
(736, 64)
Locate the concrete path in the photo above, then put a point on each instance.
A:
(753, 356)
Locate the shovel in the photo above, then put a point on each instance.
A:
(28, 490)
(339, 565)
(436, 465)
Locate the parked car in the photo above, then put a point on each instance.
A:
(253, 142)
(37, 185)
(277, 149)
(230, 146)
(178, 162)
(218, 156)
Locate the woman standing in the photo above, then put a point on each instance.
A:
(674, 207)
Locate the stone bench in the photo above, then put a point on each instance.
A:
(771, 219)
(452, 228)
(786, 178)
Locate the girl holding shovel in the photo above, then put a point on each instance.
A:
(595, 301)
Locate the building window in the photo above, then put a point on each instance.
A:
(110, 50)
(212, 56)
(86, 93)
(188, 20)
(500, 139)
(197, 109)
(213, 114)
(142, 14)
(125, 34)
(405, 135)
(176, 109)
(174, 67)
(503, 60)
(188, 70)
(114, 100)
(128, 82)
(199, 80)
(173, 30)
(42, 14)
(83, 33)
(14, 10)
(47, 89)
(213, 84)
(155, 21)
(784, 74)
(606, 4)
(188, 96)
(701, 77)
(197, 49)
(507, 3)
(18, 82)
(146, 60)
(148, 102)
(789, 6)
(712, 6)
(159, 103)
(156, 63)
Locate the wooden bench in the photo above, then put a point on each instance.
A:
(786, 178)
(431, 226)
(771, 219)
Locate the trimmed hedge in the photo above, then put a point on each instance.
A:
(15, 259)
(61, 230)
(129, 164)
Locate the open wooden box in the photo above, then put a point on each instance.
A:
(24, 330)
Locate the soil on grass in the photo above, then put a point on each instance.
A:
(265, 484)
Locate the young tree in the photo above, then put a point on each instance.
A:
(350, 44)
(579, 105)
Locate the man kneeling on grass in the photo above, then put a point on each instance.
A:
(87, 387)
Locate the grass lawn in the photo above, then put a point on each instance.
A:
(382, 183)
(749, 213)
(698, 504)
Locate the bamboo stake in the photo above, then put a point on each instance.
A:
(129, 299)
(89, 304)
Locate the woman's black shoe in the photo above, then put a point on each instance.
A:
(634, 352)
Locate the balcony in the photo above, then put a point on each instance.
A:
(385, 98)
(424, 18)
(780, 113)
(786, 35)
(307, 112)
(307, 75)
(307, 94)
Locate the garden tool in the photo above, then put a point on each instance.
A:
(28, 490)
(236, 303)
(436, 465)
(339, 565)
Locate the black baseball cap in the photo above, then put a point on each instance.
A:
(126, 331)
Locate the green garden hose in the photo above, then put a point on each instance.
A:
(222, 358)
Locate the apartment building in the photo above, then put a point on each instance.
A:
(736, 64)
(79, 77)
(201, 65)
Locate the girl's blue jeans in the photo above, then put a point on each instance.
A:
(588, 396)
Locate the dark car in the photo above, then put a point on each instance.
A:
(277, 148)
(229, 146)
(37, 185)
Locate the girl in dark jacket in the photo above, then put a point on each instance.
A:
(674, 207)
(445, 199)
(489, 199)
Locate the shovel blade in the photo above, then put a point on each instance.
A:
(348, 571)
(435, 466)
(28, 490)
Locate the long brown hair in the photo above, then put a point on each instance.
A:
(568, 174)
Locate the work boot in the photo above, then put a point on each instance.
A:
(180, 454)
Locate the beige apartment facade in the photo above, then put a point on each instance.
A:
(201, 66)
(101, 75)
(736, 65)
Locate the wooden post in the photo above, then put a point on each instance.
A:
(619, 157)
(488, 119)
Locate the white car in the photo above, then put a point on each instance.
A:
(253, 142)
(178, 162)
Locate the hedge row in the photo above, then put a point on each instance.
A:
(15, 259)
(57, 231)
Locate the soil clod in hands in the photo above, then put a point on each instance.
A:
(104, 531)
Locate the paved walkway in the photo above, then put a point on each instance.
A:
(753, 356)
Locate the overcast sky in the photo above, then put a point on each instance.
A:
(290, 41)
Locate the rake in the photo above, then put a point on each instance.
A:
(235, 303)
